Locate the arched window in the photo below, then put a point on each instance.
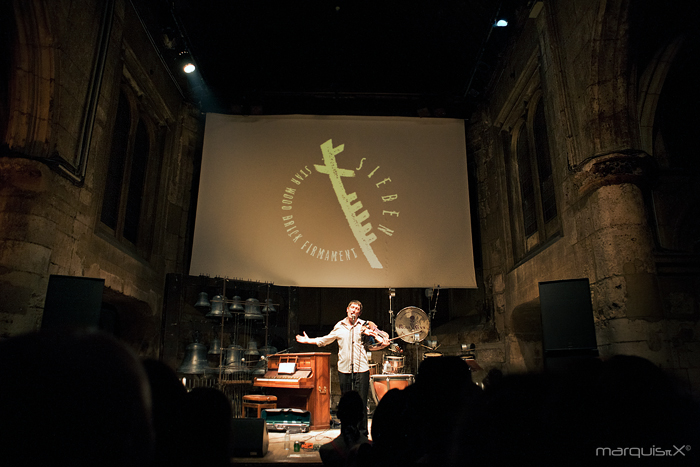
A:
(675, 208)
(7, 34)
(129, 187)
(526, 181)
(137, 180)
(533, 204)
(544, 164)
(117, 161)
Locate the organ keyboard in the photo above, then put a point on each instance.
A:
(307, 387)
(275, 376)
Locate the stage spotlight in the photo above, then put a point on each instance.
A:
(501, 23)
(186, 62)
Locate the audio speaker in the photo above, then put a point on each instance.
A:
(568, 331)
(72, 302)
(249, 437)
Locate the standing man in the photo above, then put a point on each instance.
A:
(353, 364)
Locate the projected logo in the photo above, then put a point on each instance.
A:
(352, 208)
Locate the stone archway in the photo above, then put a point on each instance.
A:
(609, 122)
(650, 85)
(31, 81)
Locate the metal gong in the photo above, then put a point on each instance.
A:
(412, 325)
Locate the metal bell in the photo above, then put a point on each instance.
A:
(195, 360)
(252, 350)
(202, 300)
(268, 308)
(234, 357)
(215, 347)
(236, 304)
(252, 309)
(252, 355)
(268, 350)
(260, 368)
(217, 308)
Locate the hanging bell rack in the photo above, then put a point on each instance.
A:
(236, 309)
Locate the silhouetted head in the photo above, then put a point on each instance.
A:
(75, 399)
(351, 408)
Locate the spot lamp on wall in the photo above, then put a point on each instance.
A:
(185, 61)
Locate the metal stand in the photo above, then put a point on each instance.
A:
(352, 357)
(392, 293)
(416, 342)
(268, 304)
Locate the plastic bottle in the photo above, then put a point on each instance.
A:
(287, 440)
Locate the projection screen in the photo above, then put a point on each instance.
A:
(319, 201)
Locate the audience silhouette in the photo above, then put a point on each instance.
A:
(73, 398)
(415, 425)
(85, 399)
(620, 411)
(168, 396)
(342, 450)
(208, 416)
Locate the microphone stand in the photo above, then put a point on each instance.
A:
(392, 293)
(416, 341)
(352, 357)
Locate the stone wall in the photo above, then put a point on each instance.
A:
(584, 59)
(53, 175)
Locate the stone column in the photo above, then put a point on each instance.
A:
(615, 229)
(26, 243)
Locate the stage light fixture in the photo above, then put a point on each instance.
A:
(501, 23)
(185, 60)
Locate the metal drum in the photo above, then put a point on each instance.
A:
(372, 369)
(431, 355)
(393, 365)
(381, 384)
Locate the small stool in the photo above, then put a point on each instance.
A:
(258, 402)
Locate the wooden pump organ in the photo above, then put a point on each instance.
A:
(300, 381)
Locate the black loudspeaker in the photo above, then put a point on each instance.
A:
(568, 331)
(72, 302)
(249, 437)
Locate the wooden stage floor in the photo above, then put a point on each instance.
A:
(276, 453)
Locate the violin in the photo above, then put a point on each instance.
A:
(374, 338)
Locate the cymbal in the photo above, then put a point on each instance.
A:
(412, 324)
